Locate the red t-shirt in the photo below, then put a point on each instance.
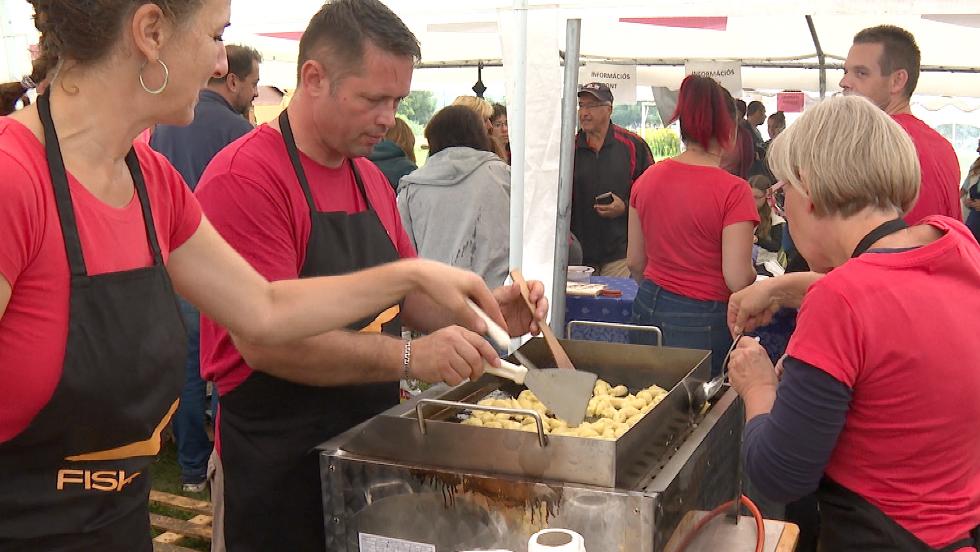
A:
(34, 327)
(250, 193)
(939, 193)
(683, 210)
(900, 329)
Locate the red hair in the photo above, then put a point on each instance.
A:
(706, 111)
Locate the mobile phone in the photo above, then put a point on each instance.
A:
(604, 199)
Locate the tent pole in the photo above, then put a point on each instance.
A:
(573, 35)
(518, 125)
(821, 59)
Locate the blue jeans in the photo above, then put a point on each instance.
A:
(193, 445)
(685, 322)
(973, 223)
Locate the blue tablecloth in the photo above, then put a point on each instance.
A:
(618, 310)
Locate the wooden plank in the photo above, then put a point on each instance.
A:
(168, 538)
(789, 537)
(182, 502)
(163, 547)
(200, 519)
(180, 526)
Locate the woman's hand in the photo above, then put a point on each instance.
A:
(751, 307)
(752, 375)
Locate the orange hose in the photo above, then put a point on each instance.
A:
(760, 529)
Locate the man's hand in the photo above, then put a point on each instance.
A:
(972, 203)
(515, 311)
(614, 210)
(452, 355)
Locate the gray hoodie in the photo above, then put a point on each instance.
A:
(456, 209)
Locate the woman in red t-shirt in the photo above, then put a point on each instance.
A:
(691, 226)
(877, 407)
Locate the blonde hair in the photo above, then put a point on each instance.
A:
(401, 134)
(482, 107)
(853, 156)
(484, 110)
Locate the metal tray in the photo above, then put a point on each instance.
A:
(437, 440)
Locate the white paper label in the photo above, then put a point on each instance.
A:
(375, 543)
(621, 80)
(727, 73)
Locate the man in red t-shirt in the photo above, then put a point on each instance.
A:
(297, 198)
(883, 66)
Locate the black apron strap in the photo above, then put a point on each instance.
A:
(290, 140)
(293, 151)
(62, 194)
(151, 234)
(63, 200)
(882, 230)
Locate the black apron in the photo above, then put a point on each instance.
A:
(269, 426)
(848, 522)
(77, 477)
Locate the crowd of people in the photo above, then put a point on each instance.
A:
(169, 243)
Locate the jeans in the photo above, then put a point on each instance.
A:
(973, 223)
(193, 445)
(685, 322)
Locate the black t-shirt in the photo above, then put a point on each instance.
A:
(621, 160)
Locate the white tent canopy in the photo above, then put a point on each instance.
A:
(465, 32)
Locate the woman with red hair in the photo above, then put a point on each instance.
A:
(691, 226)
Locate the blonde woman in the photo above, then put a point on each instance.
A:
(877, 408)
(484, 110)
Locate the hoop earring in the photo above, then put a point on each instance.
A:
(166, 78)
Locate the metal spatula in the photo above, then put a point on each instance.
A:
(565, 392)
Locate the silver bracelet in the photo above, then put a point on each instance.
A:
(407, 359)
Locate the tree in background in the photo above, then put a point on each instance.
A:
(418, 106)
(629, 116)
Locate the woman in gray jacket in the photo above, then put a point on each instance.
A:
(456, 208)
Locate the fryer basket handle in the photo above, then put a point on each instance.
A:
(538, 422)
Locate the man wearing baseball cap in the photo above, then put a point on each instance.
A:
(608, 158)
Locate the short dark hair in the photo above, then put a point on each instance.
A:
(498, 110)
(740, 108)
(899, 51)
(706, 111)
(780, 118)
(754, 105)
(456, 125)
(240, 61)
(342, 27)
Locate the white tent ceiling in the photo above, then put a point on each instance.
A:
(465, 31)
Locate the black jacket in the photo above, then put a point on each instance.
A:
(621, 160)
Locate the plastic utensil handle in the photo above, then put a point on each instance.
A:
(507, 370)
(498, 335)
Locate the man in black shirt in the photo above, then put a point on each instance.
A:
(608, 158)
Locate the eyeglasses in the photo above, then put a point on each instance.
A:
(776, 196)
(588, 107)
(499, 124)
